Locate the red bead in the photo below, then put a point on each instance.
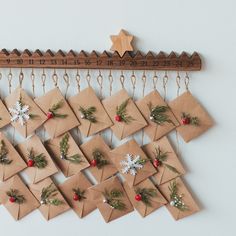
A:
(156, 163)
(185, 121)
(76, 197)
(118, 118)
(30, 163)
(49, 115)
(12, 199)
(93, 163)
(138, 197)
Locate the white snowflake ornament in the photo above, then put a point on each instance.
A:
(132, 164)
(20, 113)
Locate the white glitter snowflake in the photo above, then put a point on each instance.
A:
(20, 113)
(132, 164)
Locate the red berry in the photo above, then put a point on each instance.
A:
(138, 197)
(30, 163)
(76, 197)
(118, 118)
(185, 121)
(12, 199)
(49, 115)
(93, 163)
(156, 163)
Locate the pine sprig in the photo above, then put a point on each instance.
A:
(146, 195)
(39, 160)
(4, 160)
(14, 193)
(53, 110)
(88, 114)
(80, 193)
(122, 113)
(99, 158)
(48, 196)
(158, 114)
(188, 119)
(176, 200)
(64, 147)
(113, 199)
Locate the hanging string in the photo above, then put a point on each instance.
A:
(186, 81)
(67, 81)
(21, 77)
(55, 78)
(88, 78)
(122, 79)
(32, 77)
(43, 79)
(178, 83)
(77, 77)
(110, 78)
(9, 77)
(133, 81)
(165, 81)
(144, 79)
(178, 80)
(100, 83)
(0, 75)
(155, 80)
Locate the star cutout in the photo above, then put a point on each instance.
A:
(122, 42)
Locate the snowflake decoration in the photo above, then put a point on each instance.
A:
(20, 112)
(132, 164)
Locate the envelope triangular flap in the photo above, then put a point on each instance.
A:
(85, 99)
(5, 117)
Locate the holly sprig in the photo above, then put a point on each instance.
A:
(188, 119)
(158, 114)
(122, 113)
(64, 147)
(113, 198)
(80, 193)
(14, 193)
(176, 200)
(55, 107)
(88, 113)
(146, 195)
(48, 196)
(99, 158)
(4, 160)
(39, 160)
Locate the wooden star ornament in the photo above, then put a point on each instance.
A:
(122, 42)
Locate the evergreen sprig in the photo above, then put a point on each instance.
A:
(64, 147)
(158, 114)
(48, 196)
(79, 192)
(146, 195)
(176, 199)
(55, 108)
(192, 120)
(39, 160)
(99, 158)
(14, 193)
(113, 199)
(121, 111)
(4, 160)
(88, 114)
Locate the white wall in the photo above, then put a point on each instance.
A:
(206, 26)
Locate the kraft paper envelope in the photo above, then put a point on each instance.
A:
(17, 164)
(84, 206)
(143, 209)
(34, 173)
(17, 210)
(57, 126)
(49, 211)
(5, 117)
(38, 117)
(121, 129)
(131, 147)
(98, 143)
(187, 199)
(68, 168)
(153, 130)
(97, 194)
(85, 99)
(164, 174)
(188, 104)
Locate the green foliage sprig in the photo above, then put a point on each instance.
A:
(188, 119)
(121, 111)
(4, 160)
(146, 195)
(80, 193)
(14, 193)
(88, 114)
(55, 108)
(113, 198)
(99, 158)
(39, 160)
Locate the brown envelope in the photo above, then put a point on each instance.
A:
(142, 208)
(106, 171)
(33, 123)
(57, 126)
(18, 211)
(131, 147)
(84, 206)
(121, 129)
(66, 167)
(5, 117)
(48, 211)
(188, 104)
(17, 164)
(86, 99)
(187, 198)
(164, 174)
(105, 209)
(153, 130)
(35, 174)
